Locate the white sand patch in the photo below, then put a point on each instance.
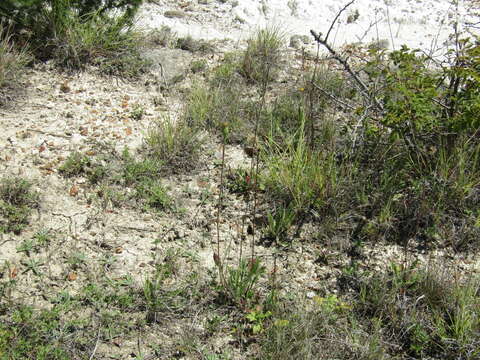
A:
(424, 24)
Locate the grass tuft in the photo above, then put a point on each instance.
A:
(12, 63)
(262, 58)
(176, 144)
(17, 200)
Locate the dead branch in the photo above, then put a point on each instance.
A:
(363, 87)
(336, 18)
(334, 98)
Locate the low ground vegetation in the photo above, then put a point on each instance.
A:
(392, 157)
(77, 33)
(17, 201)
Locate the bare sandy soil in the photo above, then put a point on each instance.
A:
(59, 113)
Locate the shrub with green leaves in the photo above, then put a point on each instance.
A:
(25, 13)
(75, 32)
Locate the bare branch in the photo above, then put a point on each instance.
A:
(334, 98)
(336, 18)
(364, 88)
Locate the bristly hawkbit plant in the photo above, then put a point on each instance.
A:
(217, 257)
(261, 60)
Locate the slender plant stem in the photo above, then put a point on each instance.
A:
(255, 158)
(218, 258)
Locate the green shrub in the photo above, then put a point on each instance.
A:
(100, 41)
(25, 14)
(78, 32)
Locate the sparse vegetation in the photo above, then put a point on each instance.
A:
(177, 144)
(382, 153)
(164, 36)
(262, 58)
(190, 44)
(13, 60)
(17, 200)
(78, 33)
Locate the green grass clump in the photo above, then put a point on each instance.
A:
(261, 60)
(78, 164)
(164, 36)
(100, 41)
(193, 45)
(77, 33)
(12, 62)
(198, 66)
(405, 313)
(424, 312)
(17, 200)
(296, 176)
(211, 107)
(176, 144)
(144, 176)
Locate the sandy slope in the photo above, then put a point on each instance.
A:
(424, 24)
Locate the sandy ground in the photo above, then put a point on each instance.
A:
(425, 24)
(59, 113)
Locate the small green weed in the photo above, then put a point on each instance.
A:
(239, 181)
(153, 195)
(190, 44)
(17, 200)
(75, 164)
(240, 282)
(135, 171)
(78, 164)
(137, 112)
(279, 223)
(198, 66)
(256, 318)
(227, 72)
(40, 240)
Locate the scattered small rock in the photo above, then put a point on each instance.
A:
(174, 14)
